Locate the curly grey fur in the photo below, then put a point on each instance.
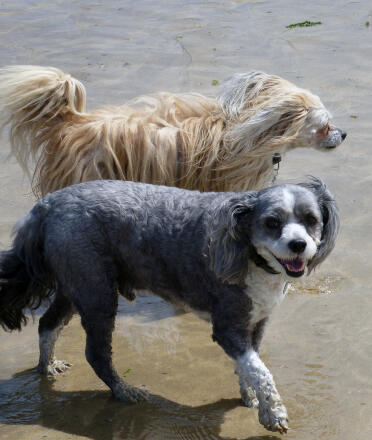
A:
(331, 222)
(24, 278)
(229, 252)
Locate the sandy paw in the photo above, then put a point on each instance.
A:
(274, 418)
(54, 368)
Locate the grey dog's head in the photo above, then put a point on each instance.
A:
(288, 227)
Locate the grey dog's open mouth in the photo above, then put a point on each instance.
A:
(294, 267)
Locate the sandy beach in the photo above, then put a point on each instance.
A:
(318, 343)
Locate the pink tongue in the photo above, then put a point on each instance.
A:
(294, 265)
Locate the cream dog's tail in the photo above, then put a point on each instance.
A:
(33, 100)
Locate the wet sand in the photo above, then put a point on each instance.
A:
(318, 343)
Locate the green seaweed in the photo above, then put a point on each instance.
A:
(215, 82)
(306, 23)
(126, 372)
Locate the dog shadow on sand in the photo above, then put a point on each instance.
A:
(29, 399)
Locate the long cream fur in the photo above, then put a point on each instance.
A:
(185, 140)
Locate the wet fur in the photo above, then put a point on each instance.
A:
(92, 241)
(185, 140)
(24, 279)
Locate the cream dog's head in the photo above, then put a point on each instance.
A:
(272, 114)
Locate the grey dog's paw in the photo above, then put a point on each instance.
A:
(274, 418)
(54, 368)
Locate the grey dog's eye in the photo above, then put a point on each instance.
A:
(310, 220)
(272, 223)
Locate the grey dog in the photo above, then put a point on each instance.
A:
(225, 255)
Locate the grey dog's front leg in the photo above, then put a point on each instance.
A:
(246, 391)
(271, 411)
(230, 330)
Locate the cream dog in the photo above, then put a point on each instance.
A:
(186, 140)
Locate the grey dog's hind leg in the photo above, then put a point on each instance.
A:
(51, 323)
(98, 320)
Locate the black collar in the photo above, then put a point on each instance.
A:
(261, 262)
(277, 158)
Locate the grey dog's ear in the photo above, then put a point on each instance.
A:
(331, 221)
(229, 238)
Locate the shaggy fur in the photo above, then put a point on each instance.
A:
(186, 140)
(226, 255)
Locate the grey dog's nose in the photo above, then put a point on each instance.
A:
(343, 135)
(297, 246)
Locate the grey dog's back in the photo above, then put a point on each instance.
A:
(125, 211)
(125, 230)
(120, 210)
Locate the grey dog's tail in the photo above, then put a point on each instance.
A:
(23, 277)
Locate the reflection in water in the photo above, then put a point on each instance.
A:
(149, 320)
(323, 285)
(28, 399)
(96, 415)
(316, 395)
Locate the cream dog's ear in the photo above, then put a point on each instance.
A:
(275, 125)
(239, 92)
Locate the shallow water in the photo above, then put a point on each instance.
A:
(318, 344)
